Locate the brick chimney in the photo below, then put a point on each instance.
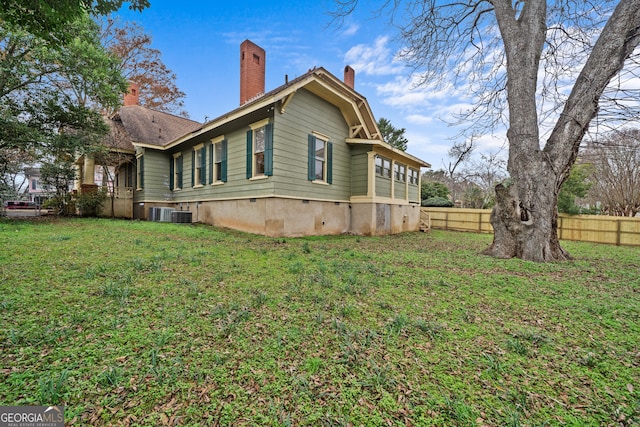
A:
(252, 70)
(349, 76)
(132, 96)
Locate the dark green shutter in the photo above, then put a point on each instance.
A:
(179, 167)
(141, 171)
(311, 159)
(193, 168)
(268, 149)
(211, 149)
(223, 162)
(249, 153)
(171, 172)
(203, 165)
(329, 162)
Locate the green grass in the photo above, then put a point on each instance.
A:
(140, 323)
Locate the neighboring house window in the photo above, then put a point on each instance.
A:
(400, 172)
(383, 167)
(218, 161)
(125, 170)
(198, 166)
(34, 184)
(260, 150)
(176, 172)
(320, 159)
(413, 176)
(140, 172)
(129, 175)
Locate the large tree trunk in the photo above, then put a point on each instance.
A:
(525, 217)
(525, 220)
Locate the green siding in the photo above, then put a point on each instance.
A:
(399, 190)
(383, 186)
(306, 113)
(156, 177)
(414, 193)
(359, 172)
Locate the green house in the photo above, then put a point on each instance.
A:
(304, 159)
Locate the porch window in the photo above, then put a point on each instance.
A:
(383, 167)
(400, 172)
(413, 176)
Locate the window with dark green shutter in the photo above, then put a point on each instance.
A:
(176, 172)
(203, 166)
(268, 149)
(218, 162)
(320, 160)
(140, 174)
(311, 162)
(193, 168)
(260, 150)
(329, 163)
(199, 166)
(179, 183)
(211, 163)
(249, 154)
(223, 161)
(171, 173)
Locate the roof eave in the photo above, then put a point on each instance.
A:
(383, 146)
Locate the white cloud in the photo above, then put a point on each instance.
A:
(376, 60)
(351, 30)
(419, 119)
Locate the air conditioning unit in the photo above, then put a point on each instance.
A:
(181, 217)
(165, 214)
(154, 214)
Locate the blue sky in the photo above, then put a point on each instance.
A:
(200, 42)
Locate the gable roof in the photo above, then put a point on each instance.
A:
(143, 125)
(353, 106)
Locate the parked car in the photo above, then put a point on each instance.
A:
(17, 204)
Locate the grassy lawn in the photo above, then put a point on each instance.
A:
(140, 323)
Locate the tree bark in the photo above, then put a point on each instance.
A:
(525, 218)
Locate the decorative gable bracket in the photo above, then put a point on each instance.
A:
(355, 130)
(285, 101)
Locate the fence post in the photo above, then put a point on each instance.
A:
(618, 230)
(559, 227)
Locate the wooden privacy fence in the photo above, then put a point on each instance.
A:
(613, 230)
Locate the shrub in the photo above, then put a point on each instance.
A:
(90, 202)
(437, 202)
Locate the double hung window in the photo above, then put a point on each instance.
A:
(198, 166)
(320, 159)
(383, 167)
(175, 182)
(413, 176)
(400, 172)
(260, 150)
(218, 165)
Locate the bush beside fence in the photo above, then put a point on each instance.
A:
(586, 228)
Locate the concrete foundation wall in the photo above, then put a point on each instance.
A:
(122, 208)
(277, 217)
(376, 219)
